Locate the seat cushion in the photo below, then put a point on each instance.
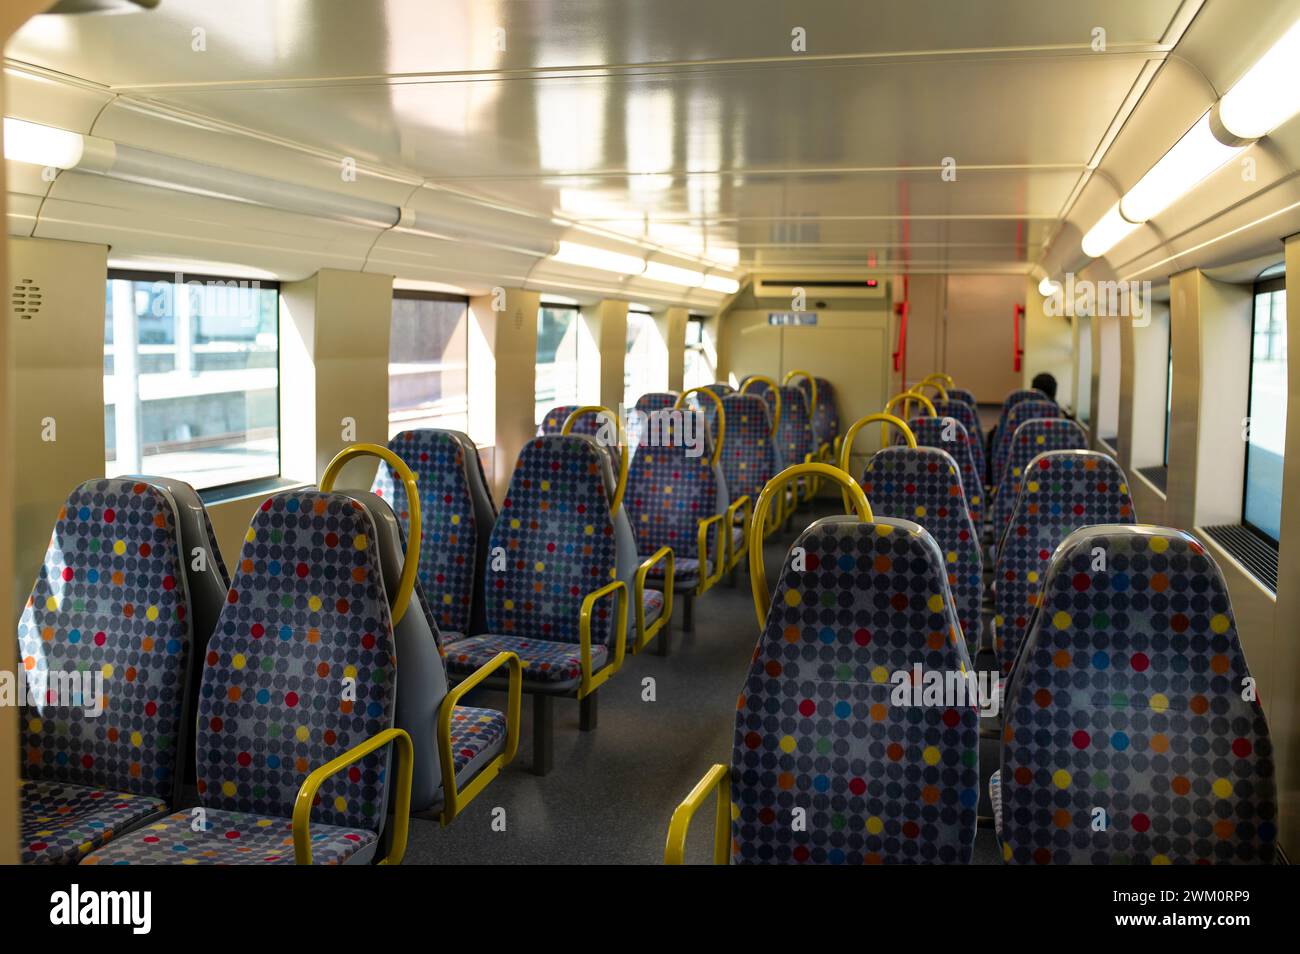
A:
(557, 665)
(476, 736)
(230, 838)
(62, 822)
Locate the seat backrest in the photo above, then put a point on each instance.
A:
(749, 456)
(923, 485)
(647, 404)
(456, 517)
(558, 535)
(825, 418)
(671, 487)
(554, 420)
(301, 667)
(948, 434)
(1061, 491)
(969, 419)
(964, 396)
(112, 598)
(1024, 411)
(1031, 438)
(720, 388)
(818, 724)
(794, 435)
(1132, 730)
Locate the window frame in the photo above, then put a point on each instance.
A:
(252, 485)
(1264, 287)
(543, 305)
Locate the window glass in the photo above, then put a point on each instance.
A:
(1267, 412)
(643, 359)
(428, 358)
(557, 358)
(699, 367)
(191, 378)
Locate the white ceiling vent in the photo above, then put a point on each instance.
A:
(25, 299)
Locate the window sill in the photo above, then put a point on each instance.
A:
(262, 487)
(1256, 555)
(1157, 477)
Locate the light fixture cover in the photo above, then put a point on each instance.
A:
(1197, 154)
(721, 283)
(42, 145)
(1269, 94)
(1106, 234)
(673, 275)
(586, 256)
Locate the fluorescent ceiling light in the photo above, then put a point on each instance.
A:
(588, 257)
(1191, 159)
(42, 145)
(1105, 235)
(1047, 288)
(721, 283)
(672, 275)
(1269, 94)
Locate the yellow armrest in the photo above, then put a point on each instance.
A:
(401, 815)
(591, 681)
(719, 561)
(452, 799)
(742, 503)
(718, 777)
(643, 636)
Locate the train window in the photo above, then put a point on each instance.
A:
(428, 360)
(645, 367)
(557, 358)
(191, 377)
(698, 366)
(1266, 436)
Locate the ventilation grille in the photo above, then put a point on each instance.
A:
(26, 298)
(1254, 552)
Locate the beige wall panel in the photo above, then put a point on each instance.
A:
(503, 373)
(58, 361)
(978, 333)
(672, 327)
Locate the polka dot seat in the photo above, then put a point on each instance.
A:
(969, 419)
(749, 458)
(449, 546)
(671, 487)
(593, 425)
(111, 601)
(825, 418)
(1022, 412)
(646, 405)
(1032, 438)
(817, 729)
(300, 670)
(964, 396)
(1062, 491)
(923, 485)
(948, 434)
(794, 436)
(1132, 734)
(556, 532)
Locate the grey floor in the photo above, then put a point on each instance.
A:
(611, 793)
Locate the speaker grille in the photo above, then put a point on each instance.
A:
(25, 299)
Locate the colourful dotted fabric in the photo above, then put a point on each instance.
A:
(449, 533)
(229, 838)
(922, 485)
(474, 732)
(1022, 412)
(594, 425)
(60, 823)
(794, 432)
(969, 418)
(749, 459)
(948, 434)
(110, 599)
(825, 418)
(647, 404)
(670, 489)
(301, 666)
(1132, 733)
(1031, 438)
(1062, 491)
(963, 395)
(816, 729)
(544, 661)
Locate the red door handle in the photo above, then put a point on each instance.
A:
(1017, 351)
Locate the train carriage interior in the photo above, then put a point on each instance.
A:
(537, 432)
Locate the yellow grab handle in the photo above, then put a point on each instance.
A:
(774, 487)
(621, 486)
(411, 563)
(945, 378)
(906, 398)
(722, 418)
(846, 446)
(939, 388)
(718, 777)
(776, 418)
(812, 403)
